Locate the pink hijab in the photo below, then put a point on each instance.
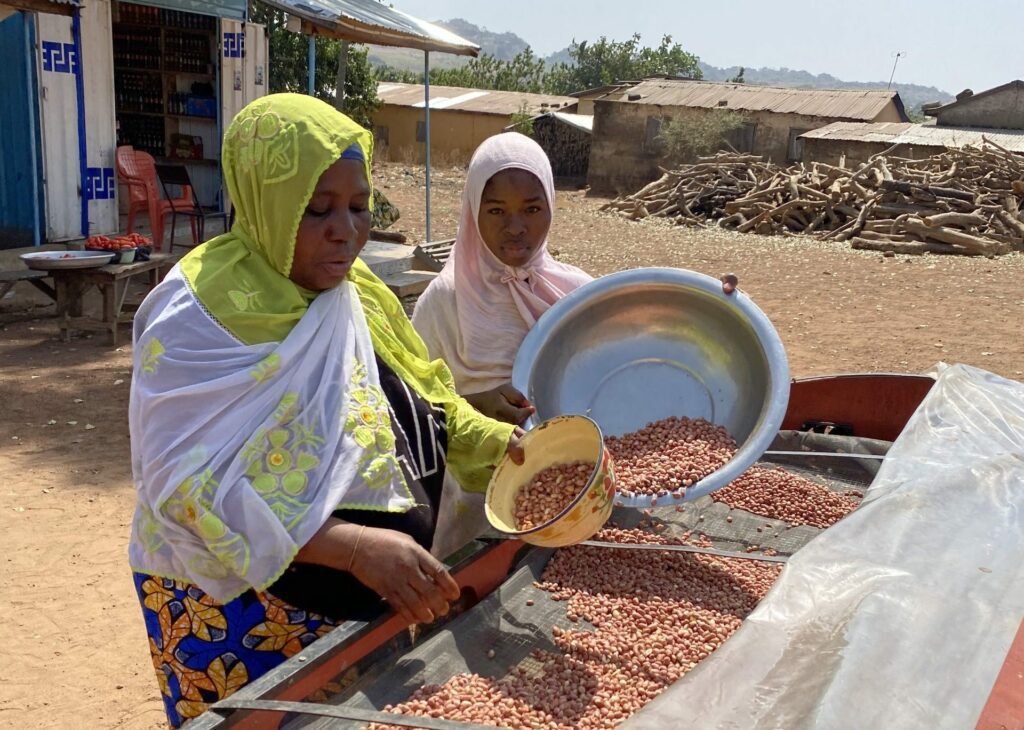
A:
(494, 305)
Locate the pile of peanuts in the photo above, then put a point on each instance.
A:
(778, 494)
(550, 492)
(655, 616)
(668, 455)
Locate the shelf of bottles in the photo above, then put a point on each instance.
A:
(138, 92)
(146, 133)
(163, 75)
(187, 53)
(131, 14)
(137, 49)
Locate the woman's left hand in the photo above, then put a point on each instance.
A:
(515, 446)
(503, 403)
(729, 283)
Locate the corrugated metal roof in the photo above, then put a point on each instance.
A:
(369, 21)
(65, 7)
(454, 98)
(1016, 84)
(834, 103)
(584, 122)
(602, 91)
(921, 135)
(580, 121)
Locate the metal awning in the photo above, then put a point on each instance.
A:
(368, 21)
(57, 7)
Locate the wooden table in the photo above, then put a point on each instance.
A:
(9, 278)
(113, 281)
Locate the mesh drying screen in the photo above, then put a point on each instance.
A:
(502, 631)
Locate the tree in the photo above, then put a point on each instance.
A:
(524, 72)
(400, 75)
(682, 140)
(593, 64)
(604, 62)
(522, 120)
(738, 78)
(289, 70)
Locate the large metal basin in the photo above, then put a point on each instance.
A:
(642, 345)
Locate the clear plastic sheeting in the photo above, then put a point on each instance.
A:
(901, 615)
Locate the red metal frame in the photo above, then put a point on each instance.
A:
(1004, 709)
(873, 405)
(877, 405)
(480, 576)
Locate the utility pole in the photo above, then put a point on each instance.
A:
(339, 94)
(899, 54)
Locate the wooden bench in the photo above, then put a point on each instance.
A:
(9, 278)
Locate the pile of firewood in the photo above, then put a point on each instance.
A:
(963, 201)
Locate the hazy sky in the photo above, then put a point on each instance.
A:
(950, 44)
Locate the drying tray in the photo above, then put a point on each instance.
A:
(504, 623)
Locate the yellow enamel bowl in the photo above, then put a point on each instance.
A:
(558, 441)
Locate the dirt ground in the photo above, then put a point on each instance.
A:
(72, 645)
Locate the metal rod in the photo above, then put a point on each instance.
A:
(832, 454)
(339, 82)
(83, 155)
(32, 83)
(426, 131)
(686, 549)
(340, 712)
(311, 66)
(893, 74)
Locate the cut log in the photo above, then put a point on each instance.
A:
(952, 236)
(910, 247)
(963, 220)
(908, 189)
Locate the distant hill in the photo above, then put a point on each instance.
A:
(503, 46)
(913, 95)
(506, 45)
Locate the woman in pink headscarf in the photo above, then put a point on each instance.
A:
(500, 278)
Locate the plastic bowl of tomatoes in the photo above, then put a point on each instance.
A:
(126, 247)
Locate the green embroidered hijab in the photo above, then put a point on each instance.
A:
(274, 152)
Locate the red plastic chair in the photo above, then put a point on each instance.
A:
(137, 170)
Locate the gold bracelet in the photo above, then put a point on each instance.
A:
(355, 547)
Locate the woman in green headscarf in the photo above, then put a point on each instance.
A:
(289, 435)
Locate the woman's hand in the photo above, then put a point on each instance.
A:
(729, 283)
(503, 403)
(388, 562)
(516, 452)
(416, 585)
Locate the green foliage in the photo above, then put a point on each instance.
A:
(399, 75)
(593, 64)
(604, 62)
(738, 78)
(916, 115)
(682, 140)
(288, 66)
(522, 120)
(525, 72)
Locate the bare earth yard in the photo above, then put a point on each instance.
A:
(72, 645)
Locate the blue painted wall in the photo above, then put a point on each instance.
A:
(21, 186)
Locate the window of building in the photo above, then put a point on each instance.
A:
(381, 136)
(421, 131)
